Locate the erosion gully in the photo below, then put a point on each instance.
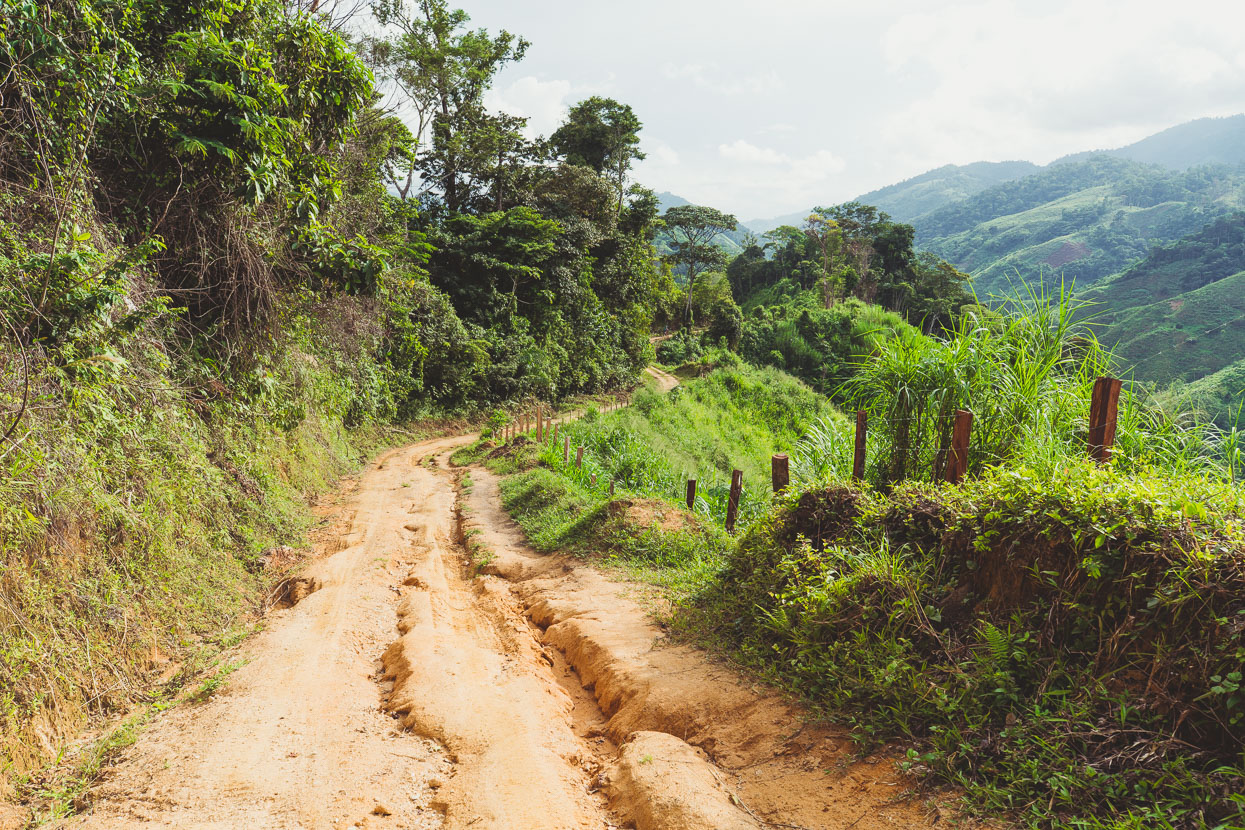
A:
(404, 689)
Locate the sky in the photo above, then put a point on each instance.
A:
(767, 108)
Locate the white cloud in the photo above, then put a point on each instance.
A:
(1007, 79)
(745, 153)
(542, 103)
(713, 77)
(819, 166)
(897, 87)
(659, 153)
(816, 167)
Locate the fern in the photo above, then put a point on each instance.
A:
(998, 643)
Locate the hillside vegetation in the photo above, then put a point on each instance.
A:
(226, 270)
(1177, 317)
(1063, 640)
(1078, 221)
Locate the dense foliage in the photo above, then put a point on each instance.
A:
(1066, 646)
(815, 300)
(214, 229)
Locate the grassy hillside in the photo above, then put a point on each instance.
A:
(1184, 338)
(1082, 221)
(733, 418)
(137, 516)
(1212, 253)
(1176, 316)
(1055, 638)
(736, 417)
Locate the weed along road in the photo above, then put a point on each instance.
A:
(408, 688)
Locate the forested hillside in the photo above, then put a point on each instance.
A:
(1177, 316)
(1195, 143)
(226, 266)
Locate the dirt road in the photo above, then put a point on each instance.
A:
(408, 691)
(665, 380)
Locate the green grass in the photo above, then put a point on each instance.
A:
(132, 522)
(559, 514)
(1187, 337)
(1062, 641)
(734, 418)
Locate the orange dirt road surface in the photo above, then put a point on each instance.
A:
(408, 691)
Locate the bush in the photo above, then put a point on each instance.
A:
(1068, 647)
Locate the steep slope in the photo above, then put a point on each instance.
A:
(1212, 253)
(1185, 337)
(1178, 316)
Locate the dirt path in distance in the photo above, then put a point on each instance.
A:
(406, 690)
(665, 380)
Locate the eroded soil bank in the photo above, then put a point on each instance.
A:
(739, 743)
(406, 690)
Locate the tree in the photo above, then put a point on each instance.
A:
(692, 229)
(825, 232)
(444, 69)
(604, 135)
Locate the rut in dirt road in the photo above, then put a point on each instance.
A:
(303, 735)
(408, 691)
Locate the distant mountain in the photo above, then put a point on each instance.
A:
(921, 194)
(1079, 221)
(1154, 232)
(915, 197)
(667, 200)
(1195, 143)
(1204, 141)
(760, 227)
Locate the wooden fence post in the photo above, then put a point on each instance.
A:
(691, 493)
(566, 449)
(957, 458)
(732, 503)
(540, 423)
(1103, 409)
(579, 457)
(780, 472)
(862, 433)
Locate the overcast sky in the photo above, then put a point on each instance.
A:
(766, 108)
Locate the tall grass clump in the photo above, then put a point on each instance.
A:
(1026, 371)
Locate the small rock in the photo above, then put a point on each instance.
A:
(381, 810)
(436, 783)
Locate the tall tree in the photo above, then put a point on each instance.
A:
(602, 134)
(692, 229)
(444, 69)
(825, 232)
